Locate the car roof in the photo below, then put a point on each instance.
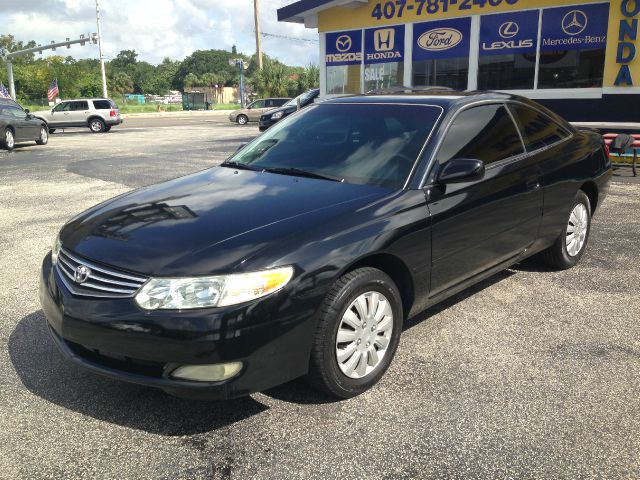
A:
(443, 98)
(84, 99)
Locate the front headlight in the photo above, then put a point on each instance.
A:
(55, 249)
(204, 292)
(277, 115)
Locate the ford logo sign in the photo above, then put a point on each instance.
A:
(439, 39)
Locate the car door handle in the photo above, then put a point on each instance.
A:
(535, 185)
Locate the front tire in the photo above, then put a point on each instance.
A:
(242, 120)
(8, 139)
(44, 136)
(358, 332)
(96, 125)
(568, 249)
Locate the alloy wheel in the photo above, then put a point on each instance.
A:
(364, 334)
(44, 135)
(9, 140)
(577, 229)
(96, 125)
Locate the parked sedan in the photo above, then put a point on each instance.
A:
(273, 116)
(18, 125)
(305, 252)
(256, 108)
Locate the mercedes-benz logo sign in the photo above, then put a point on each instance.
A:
(508, 29)
(81, 273)
(343, 43)
(574, 22)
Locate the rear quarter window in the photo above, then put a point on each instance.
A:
(538, 130)
(103, 104)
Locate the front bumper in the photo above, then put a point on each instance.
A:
(264, 124)
(114, 337)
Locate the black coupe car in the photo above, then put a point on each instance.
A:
(18, 125)
(304, 253)
(274, 116)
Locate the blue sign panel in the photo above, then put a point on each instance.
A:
(442, 39)
(344, 48)
(509, 33)
(382, 45)
(581, 27)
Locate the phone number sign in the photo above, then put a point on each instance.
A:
(395, 9)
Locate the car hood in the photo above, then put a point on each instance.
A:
(41, 113)
(208, 222)
(239, 111)
(287, 110)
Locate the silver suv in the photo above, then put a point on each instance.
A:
(99, 114)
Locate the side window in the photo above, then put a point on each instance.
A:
(16, 112)
(62, 107)
(102, 104)
(258, 104)
(78, 106)
(538, 130)
(278, 102)
(269, 103)
(484, 133)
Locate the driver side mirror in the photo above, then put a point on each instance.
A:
(459, 170)
(26, 110)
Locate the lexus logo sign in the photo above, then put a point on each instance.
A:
(508, 29)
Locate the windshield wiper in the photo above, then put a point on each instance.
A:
(241, 166)
(302, 173)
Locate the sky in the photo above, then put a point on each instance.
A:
(156, 29)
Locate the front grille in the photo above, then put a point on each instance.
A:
(100, 281)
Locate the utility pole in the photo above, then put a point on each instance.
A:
(256, 16)
(104, 75)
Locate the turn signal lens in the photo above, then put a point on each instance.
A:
(55, 249)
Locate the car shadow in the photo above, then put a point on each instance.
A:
(459, 297)
(45, 373)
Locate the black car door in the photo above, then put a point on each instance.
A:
(479, 224)
(21, 124)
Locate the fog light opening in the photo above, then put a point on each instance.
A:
(207, 373)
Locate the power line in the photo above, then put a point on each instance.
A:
(295, 39)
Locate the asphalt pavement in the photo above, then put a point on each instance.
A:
(531, 374)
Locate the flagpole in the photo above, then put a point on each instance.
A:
(104, 75)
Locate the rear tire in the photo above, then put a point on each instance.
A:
(242, 120)
(44, 136)
(349, 355)
(8, 139)
(569, 247)
(96, 125)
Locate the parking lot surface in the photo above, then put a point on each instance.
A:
(531, 374)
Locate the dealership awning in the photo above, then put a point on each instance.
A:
(306, 11)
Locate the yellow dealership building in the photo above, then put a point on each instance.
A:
(581, 59)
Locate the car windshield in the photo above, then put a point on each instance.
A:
(375, 144)
(304, 98)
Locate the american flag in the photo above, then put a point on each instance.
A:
(53, 90)
(4, 93)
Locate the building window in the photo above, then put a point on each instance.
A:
(571, 69)
(383, 75)
(383, 57)
(507, 50)
(343, 79)
(506, 72)
(445, 72)
(572, 46)
(441, 53)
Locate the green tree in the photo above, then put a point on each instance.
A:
(273, 80)
(121, 83)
